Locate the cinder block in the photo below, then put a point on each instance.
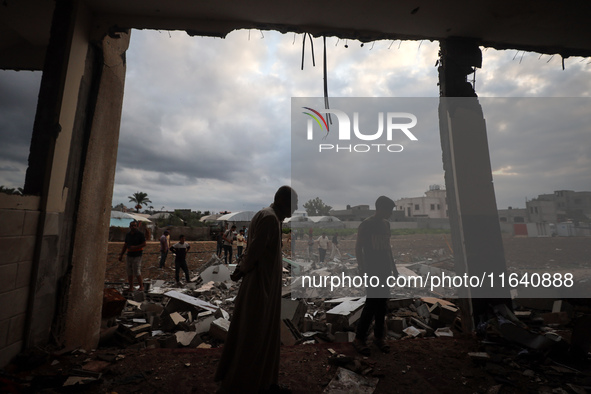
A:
(396, 324)
(16, 329)
(447, 314)
(12, 222)
(23, 275)
(4, 329)
(8, 275)
(344, 336)
(219, 328)
(31, 223)
(9, 352)
(13, 303)
(15, 249)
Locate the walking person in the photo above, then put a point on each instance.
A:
(240, 244)
(135, 242)
(322, 246)
(374, 258)
(180, 250)
(228, 242)
(164, 247)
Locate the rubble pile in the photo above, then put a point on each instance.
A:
(533, 340)
(198, 313)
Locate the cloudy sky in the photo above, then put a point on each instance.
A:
(207, 123)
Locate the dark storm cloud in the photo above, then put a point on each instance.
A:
(206, 122)
(18, 100)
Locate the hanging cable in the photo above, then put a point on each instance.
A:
(326, 106)
(304, 48)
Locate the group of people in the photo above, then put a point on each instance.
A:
(323, 244)
(135, 242)
(226, 240)
(251, 352)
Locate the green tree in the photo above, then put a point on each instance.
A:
(11, 190)
(316, 207)
(120, 207)
(139, 198)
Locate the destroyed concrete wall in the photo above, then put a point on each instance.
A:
(17, 238)
(73, 153)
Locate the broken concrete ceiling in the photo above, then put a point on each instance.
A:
(544, 26)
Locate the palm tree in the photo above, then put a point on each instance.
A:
(139, 198)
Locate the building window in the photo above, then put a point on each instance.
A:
(518, 219)
(432, 207)
(439, 207)
(536, 209)
(416, 207)
(503, 219)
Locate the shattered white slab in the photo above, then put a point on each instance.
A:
(216, 273)
(191, 300)
(347, 307)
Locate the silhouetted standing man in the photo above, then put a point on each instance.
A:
(374, 257)
(250, 358)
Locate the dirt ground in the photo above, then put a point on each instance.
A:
(434, 365)
(521, 253)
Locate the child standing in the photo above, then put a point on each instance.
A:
(180, 250)
(240, 243)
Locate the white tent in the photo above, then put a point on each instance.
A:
(242, 216)
(210, 218)
(318, 219)
(122, 219)
(160, 215)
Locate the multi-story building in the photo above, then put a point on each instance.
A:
(560, 206)
(432, 205)
(513, 215)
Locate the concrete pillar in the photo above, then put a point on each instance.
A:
(72, 168)
(49, 158)
(476, 233)
(82, 318)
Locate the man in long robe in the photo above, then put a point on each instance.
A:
(250, 358)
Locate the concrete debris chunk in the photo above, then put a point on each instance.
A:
(345, 314)
(176, 318)
(346, 336)
(219, 328)
(294, 310)
(188, 338)
(222, 313)
(346, 381)
(411, 331)
(216, 273)
(202, 325)
(396, 324)
(177, 299)
(444, 332)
